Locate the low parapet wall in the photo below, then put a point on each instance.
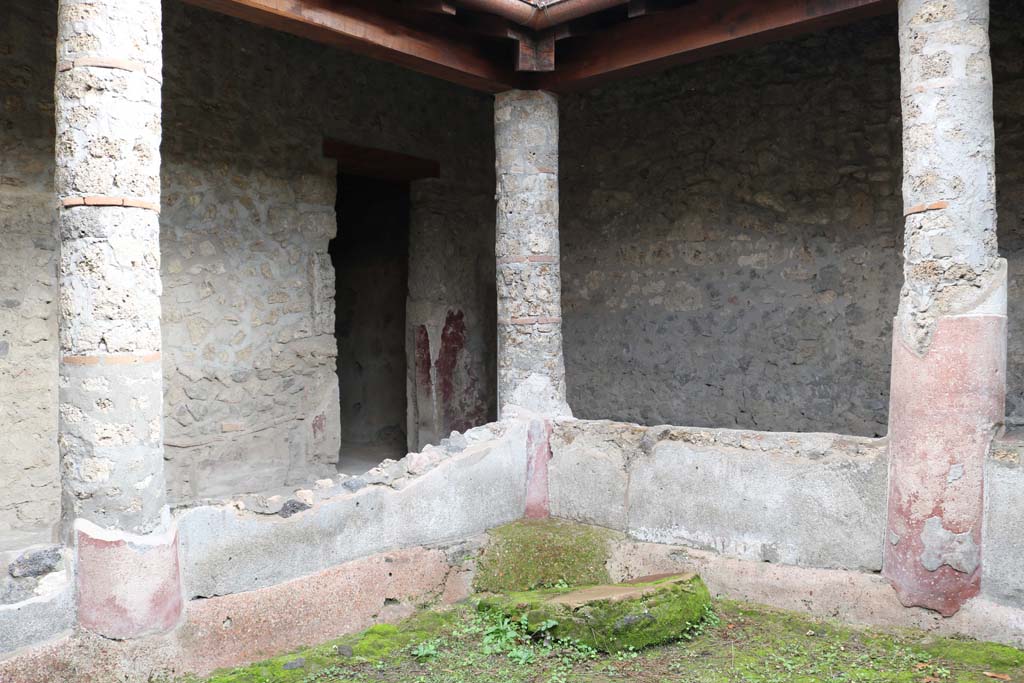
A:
(440, 495)
(791, 520)
(1003, 534)
(804, 499)
(816, 500)
(436, 498)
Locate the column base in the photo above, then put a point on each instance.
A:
(127, 585)
(945, 407)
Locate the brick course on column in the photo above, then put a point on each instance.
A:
(531, 368)
(949, 345)
(108, 129)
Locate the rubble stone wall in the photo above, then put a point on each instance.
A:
(29, 476)
(251, 397)
(732, 234)
(248, 216)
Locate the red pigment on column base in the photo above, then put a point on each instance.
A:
(128, 586)
(538, 453)
(944, 408)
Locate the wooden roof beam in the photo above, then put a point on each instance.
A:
(432, 6)
(692, 32)
(535, 53)
(355, 28)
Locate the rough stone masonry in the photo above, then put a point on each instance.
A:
(110, 432)
(108, 183)
(247, 213)
(531, 369)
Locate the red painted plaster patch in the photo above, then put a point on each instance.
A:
(423, 379)
(453, 340)
(944, 408)
(319, 426)
(126, 589)
(538, 452)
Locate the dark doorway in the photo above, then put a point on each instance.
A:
(371, 265)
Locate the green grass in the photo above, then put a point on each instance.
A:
(548, 553)
(738, 643)
(611, 626)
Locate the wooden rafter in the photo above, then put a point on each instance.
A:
(693, 32)
(358, 29)
(432, 6)
(466, 48)
(534, 52)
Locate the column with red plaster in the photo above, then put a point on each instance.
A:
(108, 130)
(531, 367)
(949, 337)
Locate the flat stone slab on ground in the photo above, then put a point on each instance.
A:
(613, 617)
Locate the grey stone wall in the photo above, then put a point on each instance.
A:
(1007, 37)
(248, 213)
(29, 477)
(732, 234)
(251, 396)
(730, 250)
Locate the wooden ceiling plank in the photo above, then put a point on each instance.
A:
(357, 29)
(704, 29)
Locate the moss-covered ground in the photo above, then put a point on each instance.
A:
(659, 612)
(735, 643)
(548, 553)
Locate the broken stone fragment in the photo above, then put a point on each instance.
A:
(305, 496)
(424, 461)
(485, 432)
(354, 484)
(36, 562)
(614, 617)
(16, 590)
(51, 582)
(263, 505)
(399, 484)
(385, 473)
(292, 507)
(294, 664)
(454, 443)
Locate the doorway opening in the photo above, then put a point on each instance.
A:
(371, 264)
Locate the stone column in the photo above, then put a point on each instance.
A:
(108, 129)
(949, 337)
(531, 369)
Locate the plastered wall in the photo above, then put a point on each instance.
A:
(29, 479)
